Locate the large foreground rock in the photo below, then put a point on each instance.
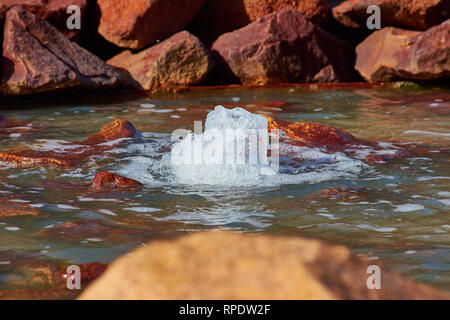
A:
(408, 14)
(181, 60)
(284, 47)
(396, 54)
(37, 57)
(138, 23)
(54, 11)
(219, 16)
(223, 265)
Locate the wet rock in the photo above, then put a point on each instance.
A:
(414, 15)
(75, 152)
(54, 11)
(15, 128)
(139, 23)
(181, 60)
(85, 229)
(37, 58)
(104, 179)
(11, 208)
(223, 265)
(312, 134)
(395, 54)
(343, 193)
(37, 294)
(218, 17)
(284, 47)
(118, 129)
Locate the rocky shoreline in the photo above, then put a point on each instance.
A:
(162, 45)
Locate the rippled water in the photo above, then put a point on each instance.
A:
(397, 212)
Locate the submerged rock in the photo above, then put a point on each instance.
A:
(13, 207)
(54, 11)
(395, 54)
(138, 23)
(13, 128)
(217, 16)
(223, 265)
(37, 58)
(181, 60)
(408, 14)
(105, 179)
(71, 154)
(284, 47)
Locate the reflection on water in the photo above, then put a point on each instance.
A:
(397, 212)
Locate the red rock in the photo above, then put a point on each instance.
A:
(10, 208)
(12, 126)
(89, 272)
(117, 129)
(408, 14)
(37, 58)
(93, 145)
(54, 11)
(138, 23)
(218, 16)
(104, 179)
(285, 47)
(310, 133)
(79, 230)
(395, 54)
(181, 60)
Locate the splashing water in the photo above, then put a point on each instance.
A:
(232, 151)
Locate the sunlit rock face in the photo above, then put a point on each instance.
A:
(393, 54)
(39, 58)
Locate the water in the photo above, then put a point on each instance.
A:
(397, 212)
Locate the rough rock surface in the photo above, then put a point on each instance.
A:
(396, 54)
(37, 57)
(285, 47)
(223, 265)
(54, 11)
(218, 16)
(105, 179)
(138, 23)
(181, 60)
(408, 14)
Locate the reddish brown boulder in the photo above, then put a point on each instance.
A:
(77, 151)
(181, 60)
(119, 128)
(36, 58)
(16, 128)
(396, 54)
(54, 11)
(285, 47)
(138, 23)
(105, 179)
(225, 265)
(218, 16)
(408, 14)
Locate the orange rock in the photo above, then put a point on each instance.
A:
(105, 179)
(12, 126)
(119, 128)
(180, 60)
(218, 16)
(10, 208)
(310, 133)
(138, 23)
(91, 146)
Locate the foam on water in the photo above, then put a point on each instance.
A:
(153, 167)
